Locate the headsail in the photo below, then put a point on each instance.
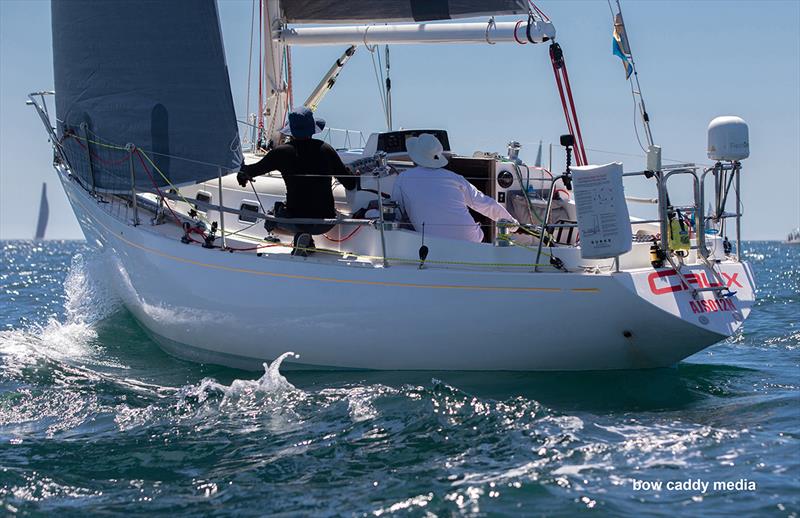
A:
(326, 11)
(44, 214)
(154, 76)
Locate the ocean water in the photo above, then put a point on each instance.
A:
(96, 419)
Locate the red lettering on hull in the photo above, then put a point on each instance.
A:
(668, 281)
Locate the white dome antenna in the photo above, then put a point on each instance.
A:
(728, 139)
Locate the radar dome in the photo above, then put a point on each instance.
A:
(728, 139)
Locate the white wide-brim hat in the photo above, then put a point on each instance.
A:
(426, 150)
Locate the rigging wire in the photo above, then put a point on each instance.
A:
(388, 92)
(378, 77)
(290, 94)
(258, 198)
(250, 60)
(634, 155)
(637, 90)
(633, 92)
(611, 9)
(382, 85)
(539, 11)
(260, 118)
(636, 118)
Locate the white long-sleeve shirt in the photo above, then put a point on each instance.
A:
(440, 199)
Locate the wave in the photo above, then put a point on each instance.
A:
(272, 382)
(87, 301)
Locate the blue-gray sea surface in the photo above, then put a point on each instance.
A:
(96, 419)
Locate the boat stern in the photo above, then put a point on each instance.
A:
(717, 299)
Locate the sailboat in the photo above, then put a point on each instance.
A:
(794, 237)
(147, 146)
(44, 215)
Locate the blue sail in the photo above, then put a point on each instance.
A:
(151, 73)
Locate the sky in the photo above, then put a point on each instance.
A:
(696, 60)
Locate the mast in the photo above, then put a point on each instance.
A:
(276, 101)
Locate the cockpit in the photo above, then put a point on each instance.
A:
(518, 187)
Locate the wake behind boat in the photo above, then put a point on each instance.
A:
(149, 163)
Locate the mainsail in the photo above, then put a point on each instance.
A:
(150, 73)
(327, 11)
(44, 214)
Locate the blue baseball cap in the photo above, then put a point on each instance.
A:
(302, 123)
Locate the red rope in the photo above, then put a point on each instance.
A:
(178, 221)
(345, 238)
(568, 103)
(561, 94)
(257, 247)
(544, 16)
(579, 138)
(565, 192)
(187, 231)
(190, 230)
(157, 188)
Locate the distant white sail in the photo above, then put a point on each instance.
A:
(44, 214)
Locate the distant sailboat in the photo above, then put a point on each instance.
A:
(538, 162)
(794, 237)
(44, 214)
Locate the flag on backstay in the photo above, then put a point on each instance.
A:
(620, 45)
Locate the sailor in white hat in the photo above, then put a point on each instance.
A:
(440, 199)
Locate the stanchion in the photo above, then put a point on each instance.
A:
(130, 148)
(221, 208)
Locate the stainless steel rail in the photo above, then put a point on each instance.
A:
(721, 194)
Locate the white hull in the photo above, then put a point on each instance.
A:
(240, 310)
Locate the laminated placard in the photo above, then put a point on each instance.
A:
(603, 219)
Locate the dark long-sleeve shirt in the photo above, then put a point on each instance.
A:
(307, 167)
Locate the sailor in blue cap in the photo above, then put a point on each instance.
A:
(307, 165)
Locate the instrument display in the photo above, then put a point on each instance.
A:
(395, 141)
